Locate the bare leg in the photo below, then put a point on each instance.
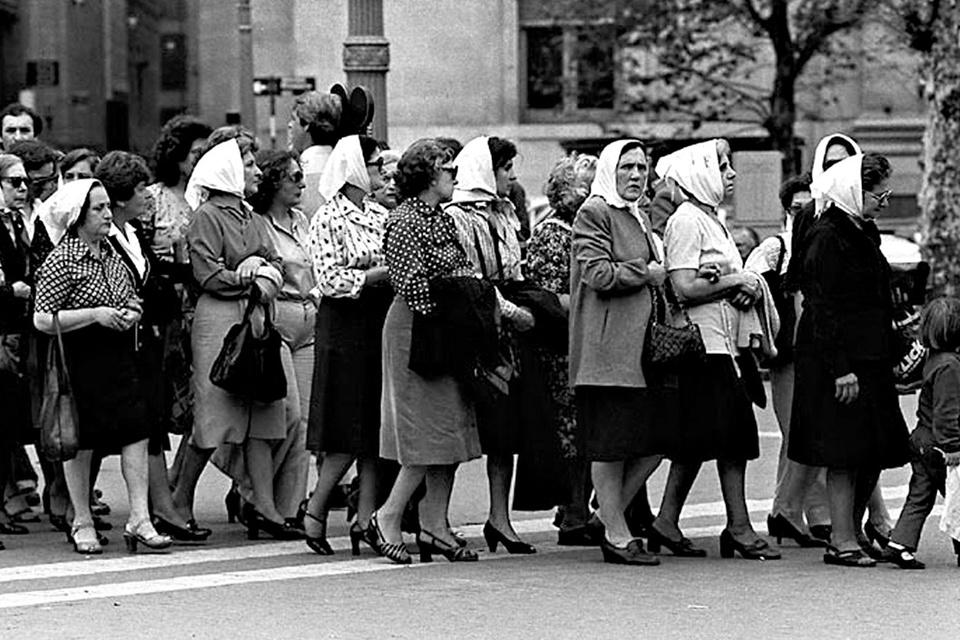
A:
(367, 502)
(608, 482)
(436, 503)
(679, 482)
(879, 516)
(732, 485)
(390, 514)
(635, 475)
(161, 498)
(133, 463)
(500, 476)
(258, 457)
(330, 468)
(841, 487)
(193, 462)
(77, 474)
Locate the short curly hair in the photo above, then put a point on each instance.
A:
(75, 157)
(34, 154)
(120, 172)
(244, 137)
(418, 166)
(173, 145)
(874, 171)
(568, 184)
(273, 164)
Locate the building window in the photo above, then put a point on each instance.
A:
(569, 69)
(173, 62)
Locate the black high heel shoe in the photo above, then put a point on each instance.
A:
(633, 554)
(13, 529)
(494, 536)
(779, 527)
(318, 544)
(256, 523)
(452, 552)
(682, 548)
(366, 535)
(180, 534)
(393, 551)
(232, 502)
(758, 550)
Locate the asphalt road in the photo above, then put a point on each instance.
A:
(232, 588)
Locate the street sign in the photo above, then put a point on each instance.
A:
(298, 84)
(266, 86)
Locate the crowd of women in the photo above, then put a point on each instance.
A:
(419, 329)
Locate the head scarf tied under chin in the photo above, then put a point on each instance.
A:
(476, 179)
(605, 180)
(219, 169)
(697, 170)
(346, 165)
(842, 186)
(63, 208)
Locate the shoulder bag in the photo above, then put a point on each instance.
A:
(249, 366)
(58, 419)
(666, 346)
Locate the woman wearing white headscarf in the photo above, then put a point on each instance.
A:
(488, 228)
(84, 288)
(716, 420)
(615, 263)
(231, 252)
(346, 245)
(846, 414)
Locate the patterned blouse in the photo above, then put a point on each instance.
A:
(165, 222)
(73, 278)
(344, 242)
(420, 244)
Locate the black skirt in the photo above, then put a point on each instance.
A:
(345, 400)
(868, 433)
(106, 383)
(617, 423)
(715, 415)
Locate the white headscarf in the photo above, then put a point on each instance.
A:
(62, 209)
(346, 165)
(842, 186)
(476, 179)
(605, 180)
(220, 169)
(697, 170)
(821, 152)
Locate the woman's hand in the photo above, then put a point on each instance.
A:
(656, 273)
(523, 320)
(111, 318)
(247, 270)
(746, 293)
(848, 388)
(710, 272)
(376, 274)
(949, 459)
(21, 290)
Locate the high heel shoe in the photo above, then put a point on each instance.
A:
(494, 536)
(393, 551)
(758, 550)
(232, 502)
(102, 540)
(87, 547)
(682, 548)
(779, 527)
(633, 554)
(452, 552)
(256, 522)
(319, 544)
(144, 533)
(873, 535)
(365, 534)
(13, 529)
(180, 534)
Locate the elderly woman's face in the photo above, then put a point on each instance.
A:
(375, 170)
(99, 216)
(445, 180)
(290, 189)
(187, 164)
(14, 181)
(251, 175)
(79, 171)
(835, 153)
(387, 194)
(632, 174)
(505, 177)
(875, 200)
(727, 174)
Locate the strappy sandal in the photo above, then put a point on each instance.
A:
(393, 551)
(88, 547)
(317, 544)
(849, 558)
(452, 552)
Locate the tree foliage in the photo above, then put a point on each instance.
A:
(726, 59)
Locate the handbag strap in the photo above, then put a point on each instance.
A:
(63, 375)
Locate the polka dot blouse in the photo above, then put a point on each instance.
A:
(344, 241)
(420, 245)
(73, 278)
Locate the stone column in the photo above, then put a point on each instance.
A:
(366, 57)
(248, 107)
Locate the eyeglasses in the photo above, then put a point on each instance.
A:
(795, 209)
(451, 169)
(880, 198)
(296, 177)
(17, 181)
(39, 180)
(378, 163)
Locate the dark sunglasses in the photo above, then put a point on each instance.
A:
(451, 169)
(17, 181)
(378, 163)
(296, 177)
(44, 179)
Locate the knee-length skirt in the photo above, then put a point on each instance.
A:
(424, 421)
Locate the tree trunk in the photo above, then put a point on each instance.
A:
(783, 116)
(939, 197)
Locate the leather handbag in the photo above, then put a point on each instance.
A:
(666, 346)
(249, 366)
(59, 439)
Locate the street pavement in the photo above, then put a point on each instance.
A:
(233, 588)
